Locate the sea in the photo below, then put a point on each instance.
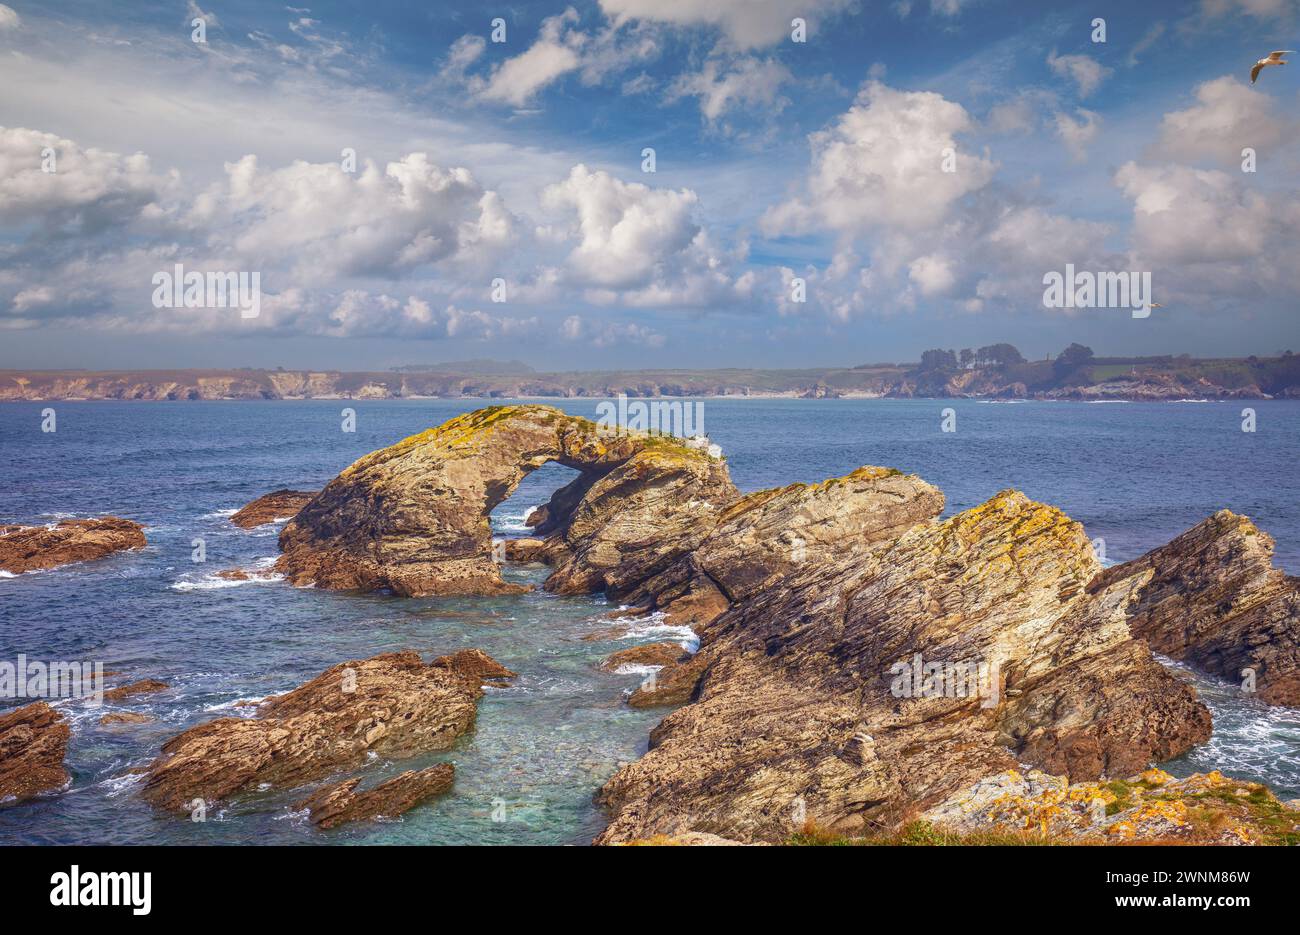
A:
(1135, 474)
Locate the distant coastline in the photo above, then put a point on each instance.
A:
(994, 373)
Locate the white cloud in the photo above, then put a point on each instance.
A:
(1228, 116)
(722, 86)
(625, 230)
(881, 165)
(554, 54)
(1187, 215)
(1087, 73)
(89, 190)
(746, 24)
(1078, 132)
(9, 19)
(607, 334)
(326, 223)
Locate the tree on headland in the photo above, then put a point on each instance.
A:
(938, 360)
(998, 355)
(1071, 359)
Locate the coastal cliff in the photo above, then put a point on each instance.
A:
(998, 372)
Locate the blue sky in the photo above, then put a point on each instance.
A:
(520, 162)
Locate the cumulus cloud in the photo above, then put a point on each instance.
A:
(1227, 117)
(625, 230)
(639, 246)
(9, 18)
(83, 191)
(1187, 215)
(377, 222)
(882, 164)
(746, 24)
(1087, 73)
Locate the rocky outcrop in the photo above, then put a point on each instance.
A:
(142, 687)
(1152, 807)
(33, 743)
(860, 689)
(413, 517)
(393, 705)
(475, 665)
(1212, 597)
(277, 505)
(340, 803)
(647, 654)
(29, 548)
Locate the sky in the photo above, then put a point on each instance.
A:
(642, 183)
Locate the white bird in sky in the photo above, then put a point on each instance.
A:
(1274, 58)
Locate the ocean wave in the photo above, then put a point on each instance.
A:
(257, 574)
(219, 514)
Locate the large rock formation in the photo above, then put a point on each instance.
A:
(29, 548)
(413, 517)
(33, 742)
(881, 679)
(391, 705)
(276, 505)
(1212, 597)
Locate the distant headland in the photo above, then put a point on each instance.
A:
(998, 371)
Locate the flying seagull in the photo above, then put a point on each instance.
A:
(1274, 58)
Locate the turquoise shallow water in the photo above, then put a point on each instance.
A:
(1134, 474)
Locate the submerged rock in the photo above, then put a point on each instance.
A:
(142, 687)
(277, 505)
(124, 717)
(393, 705)
(413, 517)
(30, 548)
(1212, 597)
(340, 803)
(811, 703)
(646, 654)
(475, 665)
(33, 743)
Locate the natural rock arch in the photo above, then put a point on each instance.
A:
(414, 517)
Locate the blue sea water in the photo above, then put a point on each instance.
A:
(1135, 474)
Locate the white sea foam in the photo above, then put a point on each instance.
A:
(634, 669)
(219, 514)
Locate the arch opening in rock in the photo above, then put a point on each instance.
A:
(415, 517)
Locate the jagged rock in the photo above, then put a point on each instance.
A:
(413, 517)
(1212, 597)
(277, 505)
(334, 805)
(802, 711)
(33, 743)
(672, 685)
(1152, 807)
(638, 519)
(144, 686)
(391, 705)
(526, 550)
(646, 654)
(29, 548)
(766, 535)
(475, 665)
